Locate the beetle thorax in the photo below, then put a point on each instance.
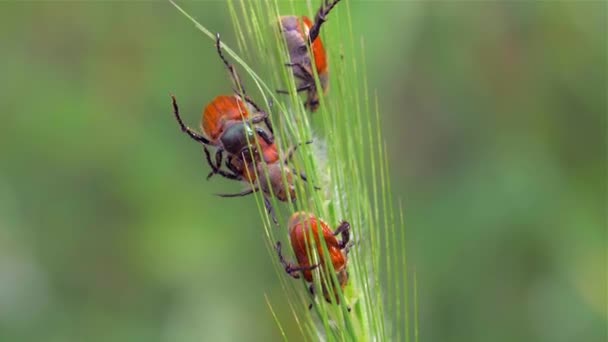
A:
(237, 137)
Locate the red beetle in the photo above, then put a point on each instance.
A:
(229, 122)
(299, 39)
(300, 226)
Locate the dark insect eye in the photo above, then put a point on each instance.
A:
(302, 49)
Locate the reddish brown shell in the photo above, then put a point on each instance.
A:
(222, 109)
(318, 50)
(300, 224)
(270, 155)
(270, 152)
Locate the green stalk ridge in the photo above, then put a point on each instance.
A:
(348, 160)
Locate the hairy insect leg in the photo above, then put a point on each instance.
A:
(194, 135)
(270, 210)
(263, 115)
(233, 74)
(292, 150)
(269, 139)
(240, 194)
(311, 290)
(344, 230)
(219, 155)
(321, 18)
(290, 268)
(298, 90)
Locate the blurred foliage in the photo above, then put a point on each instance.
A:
(495, 122)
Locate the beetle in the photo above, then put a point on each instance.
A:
(265, 174)
(229, 122)
(300, 38)
(301, 225)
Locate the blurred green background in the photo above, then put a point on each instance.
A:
(495, 118)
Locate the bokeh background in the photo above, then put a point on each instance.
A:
(495, 118)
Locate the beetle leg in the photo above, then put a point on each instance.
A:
(312, 101)
(265, 116)
(320, 18)
(270, 210)
(267, 121)
(234, 175)
(348, 247)
(291, 269)
(231, 69)
(219, 155)
(269, 124)
(184, 128)
(308, 74)
(250, 101)
(302, 174)
(286, 265)
(344, 230)
(264, 135)
(214, 168)
(292, 150)
(230, 175)
(304, 178)
(240, 194)
(255, 119)
(230, 166)
(308, 78)
(298, 90)
(311, 290)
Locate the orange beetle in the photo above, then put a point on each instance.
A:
(300, 226)
(229, 123)
(298, 40)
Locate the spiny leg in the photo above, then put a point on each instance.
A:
(214, 168)
(219, 155)
(233, 73)
(306, 73)
(305, 87)
(306, 77)
(290, 268)
(304, 178)
(240, 194)
(290, 153)
(344, 230)
(264, 135)
(263, 113)
(321, 18)
(348, 247)
(217, 170)
(185, 128)
(311, 290)
(270, 210)
(292, 149)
